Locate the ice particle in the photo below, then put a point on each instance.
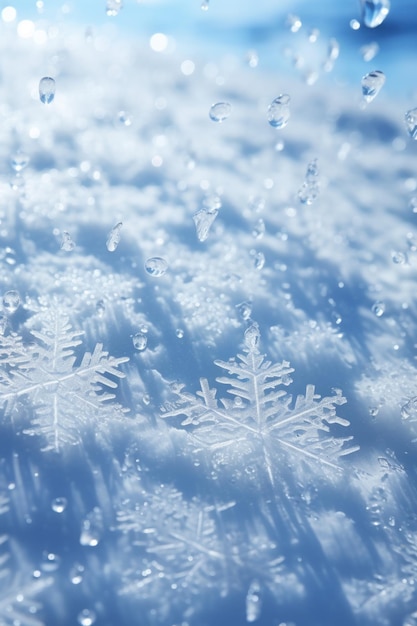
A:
(46, 89)
(67, 243)
(11, 301)
(140, 341)
(203, 219)
(378, 308)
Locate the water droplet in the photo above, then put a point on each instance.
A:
(76, 574)
(279, 111)
(253, 602)
(113, 7)
(46, 89)
(205, 5)
(113, 238)
(59, 505)
(156, 266)
(374, 12)
(293, 22)
(50, 562)
(92, 528)
(369, 51)
(252, 58)
(124, 118)
(373, 411)
(67, 243)
(259, 260)
(411, 123)
(252, 337)
(333, 51)
(19, 161)
(11, 301)
(399, 258)
(203, 219)
(372, 84)
(378, 308)
(258, 230)
(86, 617)
(140, 341)
(309, 190)
(179, 333)
(220, 111)
(409, 409)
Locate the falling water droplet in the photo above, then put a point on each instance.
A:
(220, 111)
(179, 333)
(399, 258)
(411, 123)
(140, 341)
(113, 7)
(156, 266)
(309, 190)
(19, 161)
(259, 260)
(279, 111)
(372, 84)
(67, 243)
(113, 238)
(333, 52)
(11, 301)
(76, 574)
(46, 89)
(86, 617)
(205, 5)
(253, 602)
(100, 308)
(374, 12)
(59, 505)
(203, 220)
(378, 308)
(244, 310)
(124, 118)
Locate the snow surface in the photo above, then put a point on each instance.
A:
(154, 529)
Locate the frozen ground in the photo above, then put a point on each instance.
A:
(146, 478)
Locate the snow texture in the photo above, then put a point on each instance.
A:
(162, 267)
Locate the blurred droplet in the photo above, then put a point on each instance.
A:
(11, 301)
(140, 341)
(258, 230)
(86, 617)
(59, 505)
(76, 574)
(374, 12)
(411, 123)
(179, 333)
(47, 90)
(253, 602)
(378, 308)
(50, 562)
(92, 528)
(369, 51)
(333, 52)
(113, 238)
(100, 308)
(113, 7)
(67, 243)
(156, 266)
(205, 5)
(309, 190)
(244, 310)
(19, 161)
(220, 111)
(252, 58)
(372, 84)
(279, 111)
(259, 260)
(293, 22)
(399, 258)
(124, 118)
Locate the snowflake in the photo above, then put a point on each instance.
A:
(262, 417)
(44, 381)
